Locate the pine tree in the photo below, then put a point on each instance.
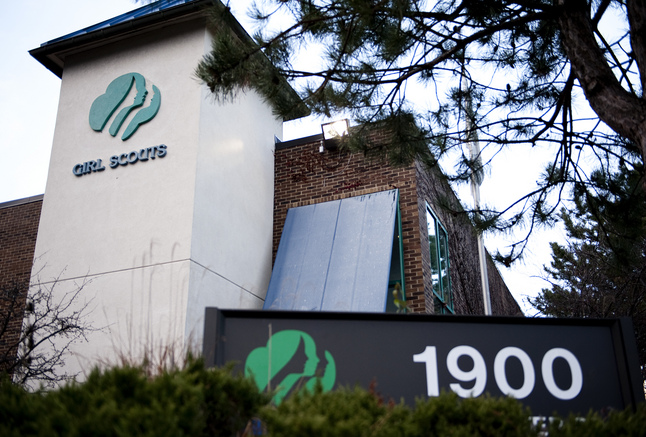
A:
(521, 65)
(601, 271)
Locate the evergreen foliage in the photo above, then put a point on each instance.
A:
(357, 412)
(440, 74)
(616, 423)
(601, 272)
(194, 401)
(125, 401)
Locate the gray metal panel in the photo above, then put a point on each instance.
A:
(300, 270)
(335, 256)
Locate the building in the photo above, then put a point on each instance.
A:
(162, 200)
(438, 253)
(18, 229)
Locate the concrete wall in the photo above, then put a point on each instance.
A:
(232, 222)
(154, 242)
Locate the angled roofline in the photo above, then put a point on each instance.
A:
(52, 54)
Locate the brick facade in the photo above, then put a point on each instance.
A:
(434, 189)
(305, 176)
(18, 229)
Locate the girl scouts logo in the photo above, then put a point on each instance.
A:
(289, 361)
(106, 104)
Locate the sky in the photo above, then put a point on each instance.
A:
(29, 92)
(29, 103)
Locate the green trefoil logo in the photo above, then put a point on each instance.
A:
(106, 104)
(266, 362)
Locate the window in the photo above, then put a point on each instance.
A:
(438, 242)
(396, 298)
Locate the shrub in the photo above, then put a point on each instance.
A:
(194, 401)
(124, 402)
(357, 412)
(484, 416)
(342, 412)
(614, 423)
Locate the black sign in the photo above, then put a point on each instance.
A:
(551, 365)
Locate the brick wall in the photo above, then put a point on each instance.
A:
(18, 230)
(304, 176)
(434, 189)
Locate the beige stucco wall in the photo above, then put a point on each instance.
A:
(160, 239)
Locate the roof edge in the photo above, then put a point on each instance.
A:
(298, 141)
(23, 201)
(48, 53)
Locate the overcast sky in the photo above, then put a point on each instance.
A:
(29, 92)
(29, 102)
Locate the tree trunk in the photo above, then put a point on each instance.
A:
(623, 111)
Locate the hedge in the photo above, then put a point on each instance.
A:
(194, 401)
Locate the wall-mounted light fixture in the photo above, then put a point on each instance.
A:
(333, 132)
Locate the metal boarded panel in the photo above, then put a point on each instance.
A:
(335, 256)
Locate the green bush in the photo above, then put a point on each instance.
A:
(616, 423)
(358, 412)
(20, 411)
(484, 416)
(342, 412)
(124, 401)
(194, 401)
